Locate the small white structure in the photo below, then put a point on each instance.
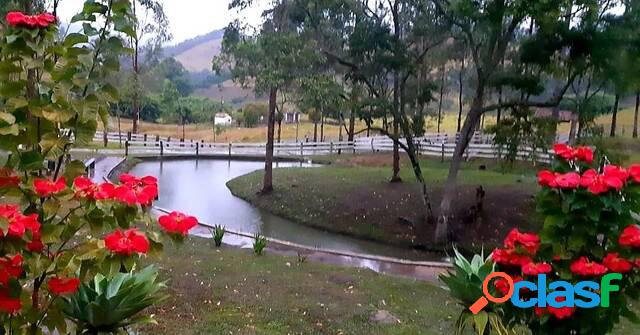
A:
(223, 119)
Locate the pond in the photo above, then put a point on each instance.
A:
(198, 187)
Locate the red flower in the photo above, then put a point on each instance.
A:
(568, 153)
(630, 236)
(568, 181)
(18, 223)
(19, 19)
(616, 172)
(509, 257)
(35, 245)
(558, 313)
(616, 264)
(105, 191)
(634, 172)
(45, 187)
(561, 312)
(8, 178)
(177, 222)
(584, 267)
(529, 242)
(127, 242)
(547, 178)
(132, 180)
(503, 286)
(534, 269)
(9, 304)
(564, 151)
(584, 154)
(131, 195)
(85, 188)
(10, 268)
(14, 19)
(602, 183)
(64, 286)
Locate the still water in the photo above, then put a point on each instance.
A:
(198, 187)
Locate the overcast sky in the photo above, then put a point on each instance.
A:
(188, 18)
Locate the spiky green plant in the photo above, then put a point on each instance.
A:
(259, 243)
(218, 234)
(109, 305)
(464, 283)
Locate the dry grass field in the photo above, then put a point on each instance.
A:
(257, 134)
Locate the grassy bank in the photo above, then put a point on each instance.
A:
(231, 291)
(353, 196)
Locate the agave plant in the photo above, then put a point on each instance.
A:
(109, 305)
(259, 243)
(464, 284)
(218, 233)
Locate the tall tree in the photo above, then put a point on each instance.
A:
(270, 60)
(492, 29)
(152, 29)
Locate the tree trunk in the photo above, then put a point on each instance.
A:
(352, 124)
(635, 116)
(322, 126)
(136, 75)
(396, 132)
(470, 123)
(315, 131)
(412, 153)
(614, 117)
(441, 96)
(460, 78)
(279, 130)
(267, 184)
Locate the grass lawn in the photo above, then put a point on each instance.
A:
(353, 196)
(231, 291)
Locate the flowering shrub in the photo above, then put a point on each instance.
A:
(59, 232)
(589, 230)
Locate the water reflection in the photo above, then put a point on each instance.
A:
(199, 188)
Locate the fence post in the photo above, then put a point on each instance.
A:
(331, 148)
(443, 152)
(197, 149)
(230, 145)
(161, 148)
(301, 149)
(157, 138)
(372, 147)
(128, 136)
(145, 139)
(126, 148)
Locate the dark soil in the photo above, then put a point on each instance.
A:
(353, 196)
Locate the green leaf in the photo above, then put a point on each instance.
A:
(75, 38)
(480, 320)
(52, 145)
(7, 118)
(74, 169)
(51, 233)
(30, 160)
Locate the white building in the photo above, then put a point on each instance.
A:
(223, 119)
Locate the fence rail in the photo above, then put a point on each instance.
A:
(436, 145)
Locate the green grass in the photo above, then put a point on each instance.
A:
(231, 291)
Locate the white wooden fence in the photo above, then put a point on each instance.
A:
(436, 145)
